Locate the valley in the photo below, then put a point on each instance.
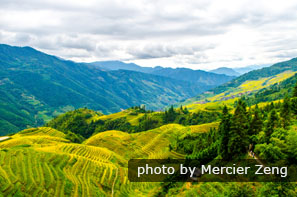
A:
(85, 152)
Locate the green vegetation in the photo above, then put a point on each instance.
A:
(35, 87)
(85, 153)
(85, 122)
(267, 84)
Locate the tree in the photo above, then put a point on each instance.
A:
(292, 145)
(271, 107)
(295, 91)
(181, 108)
(256, 123)
(238, 142)
(278, 189)
(224, 129)
(186, 111)
(271, 124)
(269, 152)
(285, 113)
(170, 115)
(294, 105)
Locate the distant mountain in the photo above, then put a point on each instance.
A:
(196, 76)
(118, 65)
(35, 86)
(225, 71)
(246, 69)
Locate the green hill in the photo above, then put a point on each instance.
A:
(249, 84)
(85, 153)
(53, 165)
(35, 87)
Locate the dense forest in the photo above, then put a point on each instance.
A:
(268, 131)
(77, 121)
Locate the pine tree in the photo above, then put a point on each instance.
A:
(294, 100)
(271, 124)
(295, 91)
(238, 142)
(170, 115)
(285, 113)
(165, 117)
(256, 123)
(186, 111)
(271, 107)
(294, 105)
(224, 130)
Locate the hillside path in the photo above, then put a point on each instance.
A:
(256, 158)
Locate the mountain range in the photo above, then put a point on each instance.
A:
(226, 71)
(118, 65)
(85, 153)
(35, 87)
(185, 74)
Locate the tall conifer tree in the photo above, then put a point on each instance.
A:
(295, 91)
(256, 123)
(285, 113)
(238, 142)
(294, 101)
(271, 124)
(224, 130)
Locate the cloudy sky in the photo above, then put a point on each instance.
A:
(200, 34)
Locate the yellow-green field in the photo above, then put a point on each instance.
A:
(131, 117)
(216, 102)
(41, 162)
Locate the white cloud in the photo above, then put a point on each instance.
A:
(199, 34)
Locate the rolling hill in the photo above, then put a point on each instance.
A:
(35, 87)
(53, 166)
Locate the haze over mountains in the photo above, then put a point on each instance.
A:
(36, 87)
(226, 71)
(158, 70)
(185, 74)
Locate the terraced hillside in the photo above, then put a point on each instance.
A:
(248, 84)
(41, 161)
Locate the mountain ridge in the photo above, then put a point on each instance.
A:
(38, 87)
(248, 83)
(180, 73)
(226, 71)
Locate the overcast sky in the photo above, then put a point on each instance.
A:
(200, 34)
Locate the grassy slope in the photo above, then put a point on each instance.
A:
(250, 88)
(51, 165)
(249, 83)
